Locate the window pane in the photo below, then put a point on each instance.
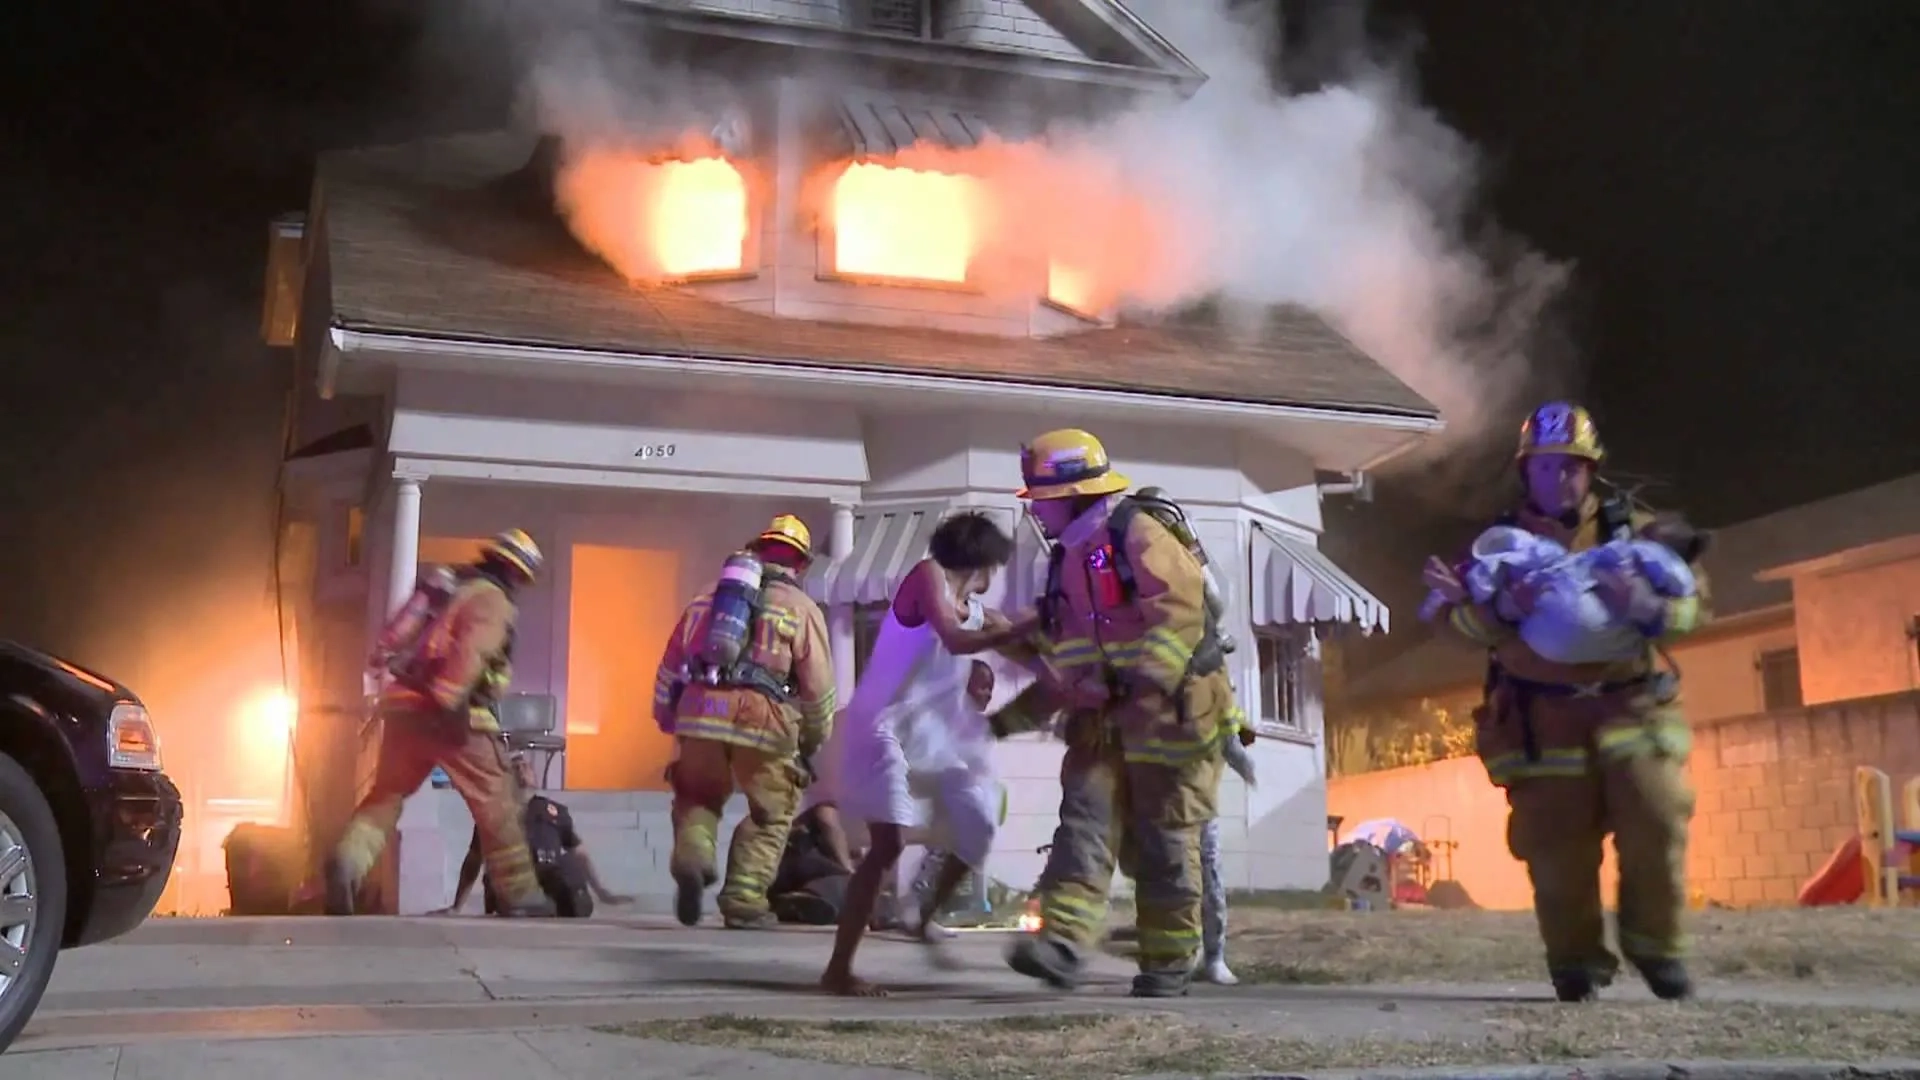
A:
(866, 629)
(1269, 681)
(1780, 679)
(904, 223)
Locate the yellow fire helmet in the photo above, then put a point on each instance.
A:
(515, 548)
(1560, 427)
(1067, 462)
(791, 531)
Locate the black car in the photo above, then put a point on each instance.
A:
(88, 822)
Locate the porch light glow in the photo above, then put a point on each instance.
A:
(904, 223)
(698, 216)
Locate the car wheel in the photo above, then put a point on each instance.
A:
(33, 897)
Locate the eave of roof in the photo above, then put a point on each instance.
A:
(438, 239)
(1179, 78)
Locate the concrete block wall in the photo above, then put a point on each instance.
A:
(1775, 791)
(1774, 799)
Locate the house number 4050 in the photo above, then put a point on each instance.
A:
(655, 450)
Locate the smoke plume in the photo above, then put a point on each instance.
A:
(1352, 200)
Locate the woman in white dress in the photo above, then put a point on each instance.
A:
(910, 733)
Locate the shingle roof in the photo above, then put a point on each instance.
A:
(452, 237)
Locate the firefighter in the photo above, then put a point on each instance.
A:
(750, 716)
(442, 664)
(1126, 644)
(1587, 750)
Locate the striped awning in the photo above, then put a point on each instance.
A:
(887, 542)
(873, 125)
(1294, 584)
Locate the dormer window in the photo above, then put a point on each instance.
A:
(902, 225)
(700, 217)
(1073, 290)
(657, 218)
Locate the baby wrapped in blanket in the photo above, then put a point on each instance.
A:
(1569, 623)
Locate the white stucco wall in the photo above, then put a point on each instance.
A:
(1273, 835)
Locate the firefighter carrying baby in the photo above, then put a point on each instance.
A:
(1590, 749)
(746, 689)
(441, 664)
(1128, 644)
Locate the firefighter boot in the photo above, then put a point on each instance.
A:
(764, 920)
(1162, 983)
(338, 887)
(1668, 979)
(1053, 962)
(689, 894)
(1580, 984)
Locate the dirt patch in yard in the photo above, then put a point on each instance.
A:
(1102, 1047)
(1823, 946)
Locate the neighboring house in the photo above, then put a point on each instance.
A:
(465, 365)
(1814, 604)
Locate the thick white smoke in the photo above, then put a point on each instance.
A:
(1350, 201)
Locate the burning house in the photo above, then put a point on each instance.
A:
(847, 297)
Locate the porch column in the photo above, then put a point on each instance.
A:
(840, 616)
(404, 569)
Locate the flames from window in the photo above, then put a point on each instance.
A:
(654, 219)
(1015, 220)
(1011, 219)
(1073, 287)
(905, 223)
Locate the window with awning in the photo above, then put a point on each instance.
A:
(1295, 584)
(895, 219)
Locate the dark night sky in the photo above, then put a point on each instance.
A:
(1736, 181)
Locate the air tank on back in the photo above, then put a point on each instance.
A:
(406, 632)
(1176, 521)
(730, 616)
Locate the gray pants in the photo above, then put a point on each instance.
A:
(1213, 897)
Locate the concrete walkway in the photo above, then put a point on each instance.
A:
(238, 999)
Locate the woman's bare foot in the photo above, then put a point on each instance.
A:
(844, 984)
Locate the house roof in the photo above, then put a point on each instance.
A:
(1441, 663)
(1798, 534)
(1117, 46)
(454, 238)
(1878, 553)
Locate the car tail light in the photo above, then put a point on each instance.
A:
(132, 743)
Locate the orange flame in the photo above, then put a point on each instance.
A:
(699, 220)
(904, 223)
(1010, 220)
(654, 220)
(1073, 288)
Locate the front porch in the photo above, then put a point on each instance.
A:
(637, 492)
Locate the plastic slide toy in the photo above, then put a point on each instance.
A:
(1842, 880)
